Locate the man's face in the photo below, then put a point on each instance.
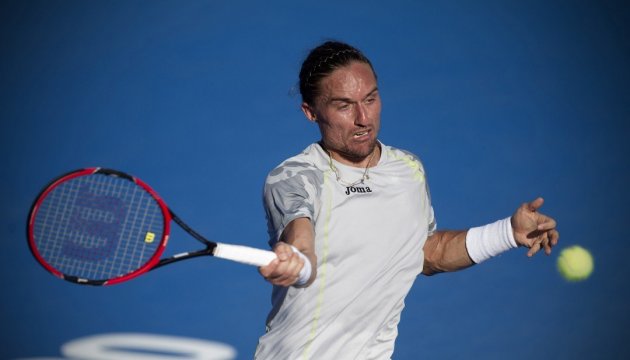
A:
(348, 112)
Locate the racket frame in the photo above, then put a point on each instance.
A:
(153, 261)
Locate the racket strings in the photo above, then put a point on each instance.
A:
(98, 227)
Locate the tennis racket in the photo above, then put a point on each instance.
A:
(100, 226)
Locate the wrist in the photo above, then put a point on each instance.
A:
(305, 273)
(485, 242)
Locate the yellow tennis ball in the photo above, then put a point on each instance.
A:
(575, 263)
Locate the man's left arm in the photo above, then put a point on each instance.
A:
(453, 250)
(444, 251)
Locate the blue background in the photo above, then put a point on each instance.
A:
(502, 100)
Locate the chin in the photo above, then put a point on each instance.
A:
(363, 151)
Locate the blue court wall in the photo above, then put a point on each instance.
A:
(502, 100)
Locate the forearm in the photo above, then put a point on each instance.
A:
(300, 234)
(446, 251)
(456, 250)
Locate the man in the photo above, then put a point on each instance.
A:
(351, 222)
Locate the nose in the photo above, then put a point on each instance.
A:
(361, 117)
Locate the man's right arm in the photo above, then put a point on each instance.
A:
(284, 271)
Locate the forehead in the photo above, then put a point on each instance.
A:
(353, 80)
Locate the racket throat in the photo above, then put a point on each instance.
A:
(192, 232)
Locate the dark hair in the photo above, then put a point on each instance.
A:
(322, 61)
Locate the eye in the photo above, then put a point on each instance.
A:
(372, 98)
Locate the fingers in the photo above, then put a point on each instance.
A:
(554, 236)
(546, 224)
(545, 240)
(285, 269)
(538, 241)
(536, 204)
(283, 251)
(534, 248)
(534, 230)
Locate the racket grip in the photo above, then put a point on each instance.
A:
(244, 254)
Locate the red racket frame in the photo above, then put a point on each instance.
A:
(152, 262)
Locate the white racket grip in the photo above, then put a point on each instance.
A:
(257, 257)
(244, 254)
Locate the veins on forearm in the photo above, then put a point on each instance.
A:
(445, 251)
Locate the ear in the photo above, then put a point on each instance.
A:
(309, 112)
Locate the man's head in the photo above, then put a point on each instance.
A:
(322, 61)
(340, 93)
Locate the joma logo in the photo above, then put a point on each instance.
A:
(358, 189)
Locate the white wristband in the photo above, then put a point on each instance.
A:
(305, 273)
(484, 242)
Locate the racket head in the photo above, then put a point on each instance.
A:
(98, 226)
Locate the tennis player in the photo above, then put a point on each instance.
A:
(360, 214)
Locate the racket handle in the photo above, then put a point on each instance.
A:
(244, 254)
(257, 257)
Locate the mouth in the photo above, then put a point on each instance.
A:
(361, 134)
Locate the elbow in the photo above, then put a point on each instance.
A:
(431, 270)
(431, 265)
(428, 271)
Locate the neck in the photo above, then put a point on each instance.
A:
(366, 161)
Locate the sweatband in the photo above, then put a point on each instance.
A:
(490, 240)
(305, 273)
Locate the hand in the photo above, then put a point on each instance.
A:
(533, 229)
(285, 269)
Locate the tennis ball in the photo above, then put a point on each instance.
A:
(575, 263)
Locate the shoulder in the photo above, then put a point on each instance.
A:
(403, 156)
(304, 167)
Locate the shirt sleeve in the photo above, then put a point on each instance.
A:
(290, 192)
(432, 227)
(431, 214)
